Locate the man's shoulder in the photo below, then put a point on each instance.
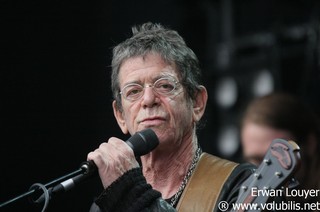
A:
(218, 177)
(237, 169)
(232, 184)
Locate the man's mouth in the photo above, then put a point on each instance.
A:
(152, 121)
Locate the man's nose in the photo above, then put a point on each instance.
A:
(149, 97)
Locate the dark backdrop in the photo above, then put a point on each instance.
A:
(55, 57)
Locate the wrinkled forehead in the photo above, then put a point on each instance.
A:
(146, 68)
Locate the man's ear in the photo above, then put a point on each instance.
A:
(199, 104)
(118, 114)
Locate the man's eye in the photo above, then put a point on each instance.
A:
(133, 91)
(165, 87)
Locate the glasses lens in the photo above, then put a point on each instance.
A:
(132, 92)
(165, 86)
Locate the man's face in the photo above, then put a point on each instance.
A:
(170, 116)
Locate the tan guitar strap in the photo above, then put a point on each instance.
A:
(205, 185)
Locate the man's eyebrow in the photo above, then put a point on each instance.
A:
(166, 74)
(132, 82)
(161, 75)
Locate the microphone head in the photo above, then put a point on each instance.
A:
(143, 142)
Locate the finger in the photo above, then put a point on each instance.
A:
(120, 146)
(98, 158)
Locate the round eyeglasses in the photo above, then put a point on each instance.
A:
(164, 86)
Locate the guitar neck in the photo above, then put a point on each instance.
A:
(279, 165)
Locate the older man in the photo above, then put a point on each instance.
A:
(156, 84)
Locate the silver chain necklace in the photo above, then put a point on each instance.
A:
(186, 178)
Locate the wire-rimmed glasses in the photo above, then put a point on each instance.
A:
(164, 86)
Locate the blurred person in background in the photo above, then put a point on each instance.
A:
(282, 115)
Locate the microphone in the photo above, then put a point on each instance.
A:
(141, 143)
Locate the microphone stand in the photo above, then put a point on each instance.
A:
(66, 182)
(141, 143)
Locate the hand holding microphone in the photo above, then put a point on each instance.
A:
(111, 159)
(115, 158)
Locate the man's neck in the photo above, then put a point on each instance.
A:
(165, 170)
